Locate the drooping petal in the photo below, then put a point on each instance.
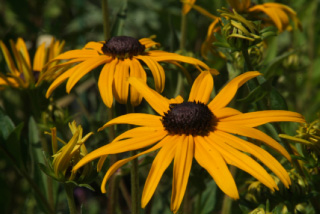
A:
(120, 83)
(259, 153)
(181, 170)
(252, 133)
(84, 53)
(216, 166)
(105, 82)
(120, 163)
(136, 70)
(159, 103)
(227, 93)
(253, 119)
(83, 68)
(156, 70)
(122, 146)
(240, 160)
(159, 165)
(59, 80)
(201, 88)
(138, 119)
(39, 58)
(148, 43)
(8, 59)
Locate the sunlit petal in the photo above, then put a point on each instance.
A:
(201, 88)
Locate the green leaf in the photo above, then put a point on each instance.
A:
(206, 202)
(277, 102)
(6, 125)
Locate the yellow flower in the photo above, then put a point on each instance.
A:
(21, 73)
(278, 14)
(70, 153)
(195, 129)
(121, 58)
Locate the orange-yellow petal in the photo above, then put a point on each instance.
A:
(159, 103)
(138, 119)
(120, 83)
(201, 88)
(181, 169)
(39, 58)
(105, 82)
(225, 113)
(136, 70)
(213, 162)
(227, 93)
(252, 133)
(159, 165)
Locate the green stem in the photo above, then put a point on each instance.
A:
(134, 175)
(183, 28)
(105, 12)
(70, 198)
(247, 59)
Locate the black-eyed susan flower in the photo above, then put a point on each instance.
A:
(70, 154)
(122, 57)
(23, 74)
(195, 129)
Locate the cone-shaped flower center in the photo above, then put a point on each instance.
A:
(123, 47)
(193, 118)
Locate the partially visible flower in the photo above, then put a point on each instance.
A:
(207, 46)
(187, 5)
(122, 57)
(23, 74)
(195, 129)
(69, 155)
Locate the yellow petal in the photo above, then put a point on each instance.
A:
(225, 113)
(94, 45)
(201, 88)
(136, 70)
(22, 48)
(59, 80)
(8, 58)
(252, 133)
(78, 54)
(178, 99)
(187, 5)
(101, 162)
(138, 119)
(84, 68)
(159, 165)
(181, 170)
(122, 146)
(120, 163)
(159, 103)
(105, 82)
(213, 162)
(240, 160)
(160, 56)
(156, 70)
(137, 132)
(39, 58)
(120, 84)
(148, 43)
(253, 119)
(227, 93)
(259, 153)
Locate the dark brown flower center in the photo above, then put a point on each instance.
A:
(123, 47)
(193, 118)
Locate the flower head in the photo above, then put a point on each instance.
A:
(122, 57)
(23, 74)
(195, 129)
(70, 154)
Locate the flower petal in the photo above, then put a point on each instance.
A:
(156, 70)
(78, 54)
(253, 119)
(137, 132)
(136, 70)
(159, 165)
(227, 93)
(120, 83)
(120, 163)
(105, 82)
(259, 153)
(216, 166)
(122, 146)
(84, 68)
(39, 58)
(59, 80)
(201, 88)
(181, 170)
(138, 119)
(252, 133)
(225, 113)
(159, 103)
(8, 59)
(240, 160)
